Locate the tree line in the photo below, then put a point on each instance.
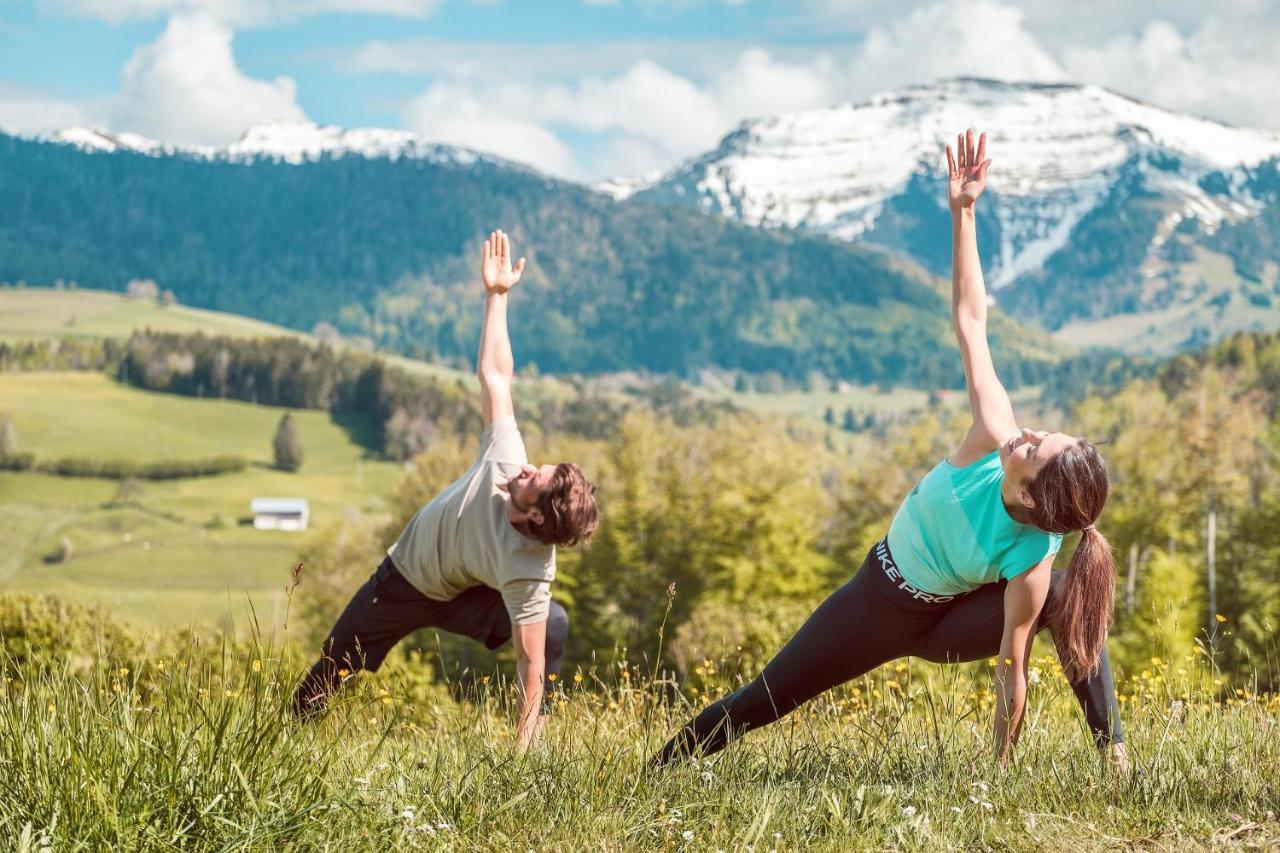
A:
(754, 523)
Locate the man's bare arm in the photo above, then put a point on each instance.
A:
(530, 643)
(495, 365)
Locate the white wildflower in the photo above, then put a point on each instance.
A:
(707, 777)
(908, 811)
(1033, 676)
(408, 813)
(687, 835)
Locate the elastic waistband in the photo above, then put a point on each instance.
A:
(900, 583)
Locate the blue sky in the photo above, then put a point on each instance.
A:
(590, 88)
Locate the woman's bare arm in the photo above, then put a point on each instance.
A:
(989, 404)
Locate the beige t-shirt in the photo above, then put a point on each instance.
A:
(463, 538)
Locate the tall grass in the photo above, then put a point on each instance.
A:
(190, 748)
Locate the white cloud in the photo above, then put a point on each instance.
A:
(241, 13)
(644, 116)
(981, 38)
(1226, 69)
(456, 114)
(757, 84)
(31, 112)
(185, 88)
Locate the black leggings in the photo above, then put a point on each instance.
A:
(867, 622)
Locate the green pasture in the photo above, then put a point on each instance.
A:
(181, 552)
(38, 312)
(32, 313)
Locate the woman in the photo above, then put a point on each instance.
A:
(965, 572)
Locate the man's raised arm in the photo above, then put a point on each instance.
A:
(495, 364)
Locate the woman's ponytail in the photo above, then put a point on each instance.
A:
(1069, 494)
(1082, 617)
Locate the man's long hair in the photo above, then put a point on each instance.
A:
(569, 511)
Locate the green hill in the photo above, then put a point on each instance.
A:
(385, 249)
(179, 554)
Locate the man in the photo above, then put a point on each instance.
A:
(479, 559)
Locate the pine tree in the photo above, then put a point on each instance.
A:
(8, 436)
(288, 449)
(830, 416)
(850, 423)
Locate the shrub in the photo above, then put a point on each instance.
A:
(123, 469)
(17, 461)
(41, 634)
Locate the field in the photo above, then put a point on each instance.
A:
(181, 554)
(188, 747)
(43, 312)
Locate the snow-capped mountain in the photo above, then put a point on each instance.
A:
(874, 170)
(289, 142)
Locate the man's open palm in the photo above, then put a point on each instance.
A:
(495, 266)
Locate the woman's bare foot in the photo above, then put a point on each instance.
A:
(1116, 757)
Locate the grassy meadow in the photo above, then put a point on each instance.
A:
(179, 553)
(161, 744)
(120, 730)
(38, 312)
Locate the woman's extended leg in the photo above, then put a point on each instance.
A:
(972, 628)
(855, 630)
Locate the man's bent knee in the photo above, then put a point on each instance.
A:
(557, 627)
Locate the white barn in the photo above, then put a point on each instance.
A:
(280, 513)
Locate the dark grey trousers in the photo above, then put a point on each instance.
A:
(387, 608)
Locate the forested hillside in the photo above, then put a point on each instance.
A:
(385, 248)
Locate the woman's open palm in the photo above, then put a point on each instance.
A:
(966, 170)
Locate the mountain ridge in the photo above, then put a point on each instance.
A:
(873, 171)
(385, 249)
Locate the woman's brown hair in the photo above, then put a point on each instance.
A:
(1069, 493)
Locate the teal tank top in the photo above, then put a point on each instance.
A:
(953, 534)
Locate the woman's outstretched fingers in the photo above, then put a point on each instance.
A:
(960, 161)
(951, 163)
(982, 149)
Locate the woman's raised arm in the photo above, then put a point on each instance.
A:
(993, 419)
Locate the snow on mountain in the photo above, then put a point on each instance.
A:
(1057, 152)
(289, 142)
